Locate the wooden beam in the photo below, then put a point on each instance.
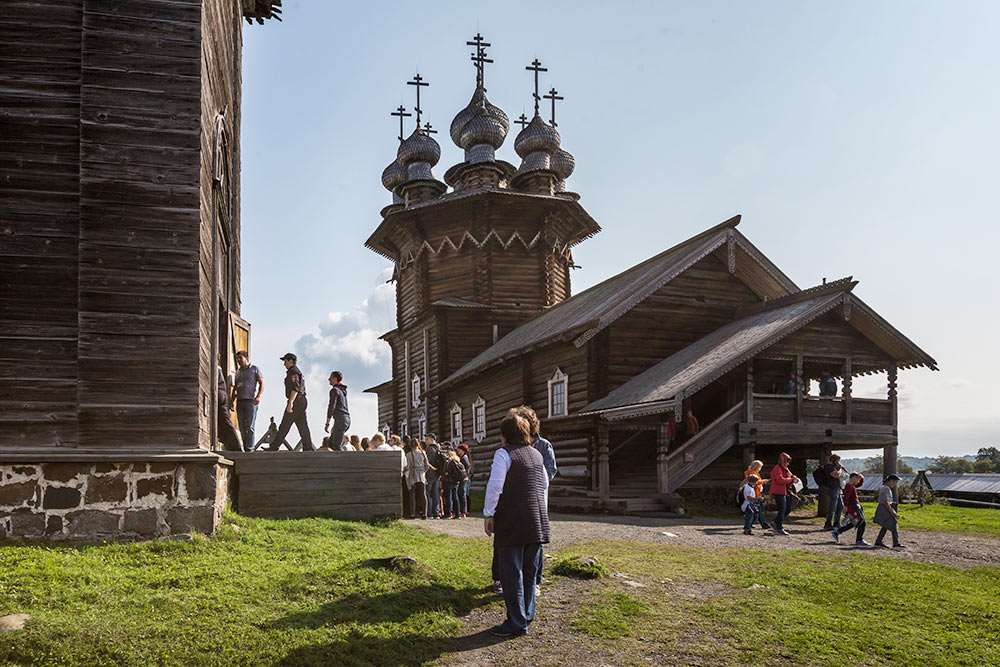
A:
(662, 467)
(749, 393)
(847, 389)
(603, 469)
(798, 388)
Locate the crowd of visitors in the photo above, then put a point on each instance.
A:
(838, 486)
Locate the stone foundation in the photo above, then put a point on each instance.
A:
(80, 500)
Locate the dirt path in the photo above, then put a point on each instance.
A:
(952, 549)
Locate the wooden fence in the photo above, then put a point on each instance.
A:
(289, 485)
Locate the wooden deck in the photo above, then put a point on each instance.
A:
(291, 485)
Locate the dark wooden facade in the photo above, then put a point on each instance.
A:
(119, 176)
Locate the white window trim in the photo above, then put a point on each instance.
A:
(386, 429)
(455, 410)
(556, 378)
(479, 427)
(415, 390)
(422, 424)
(403, 428)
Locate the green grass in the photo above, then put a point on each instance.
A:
(298, 593)
(815, 610)
(944, 518)
(580, 568)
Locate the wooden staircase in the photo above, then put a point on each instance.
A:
(707, 445)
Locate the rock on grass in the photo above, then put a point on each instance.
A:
(580, 567)
(13, 622)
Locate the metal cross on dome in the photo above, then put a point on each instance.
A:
(479, 58)
(401, 112)
(553, 95)
(536, 67)
(428, 130)
(419, 82)
(522, 121)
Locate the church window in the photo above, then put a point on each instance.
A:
(479, 419)
(415, 386)
(422, 424)
(403, 427)
(557, 394)
(386, 429)
(456, 422)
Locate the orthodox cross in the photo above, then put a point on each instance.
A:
(401, 112)
(522, 121)
(553, 95)
(418, 81)
(479, 58)
(536, 67)
(428, 130)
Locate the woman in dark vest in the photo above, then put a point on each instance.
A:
(517, 517)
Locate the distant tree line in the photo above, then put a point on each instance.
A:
(987, 460)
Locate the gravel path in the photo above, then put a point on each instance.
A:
(932, 547)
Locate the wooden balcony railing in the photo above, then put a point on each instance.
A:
(814, 410)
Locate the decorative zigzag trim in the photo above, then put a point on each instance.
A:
(467, 238)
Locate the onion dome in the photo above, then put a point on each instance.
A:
(393, 175)
(563, 164)
(535, 144)
(480, 128)
(418, 147)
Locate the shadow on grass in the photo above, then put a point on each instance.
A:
(358, 648)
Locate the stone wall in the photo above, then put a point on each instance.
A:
(79, 500)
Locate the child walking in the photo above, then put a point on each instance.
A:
(754, 469)
(750, 507)
(852, 508)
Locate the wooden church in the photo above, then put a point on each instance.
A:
(486, 321)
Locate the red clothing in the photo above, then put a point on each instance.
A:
(691, 425)
(851, 499)
(781, 479)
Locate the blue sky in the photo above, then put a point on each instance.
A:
(854, 138)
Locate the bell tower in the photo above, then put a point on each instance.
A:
(482, 252)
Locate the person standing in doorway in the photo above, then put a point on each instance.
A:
(295, 409)
(225, 431)
(827, 385)
(247, 389)
(515, 511)
(337, 411)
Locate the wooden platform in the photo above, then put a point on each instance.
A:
(291, 485)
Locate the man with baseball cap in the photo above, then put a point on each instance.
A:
(295, 410)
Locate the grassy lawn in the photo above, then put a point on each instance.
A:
(944, 518)
(297, 593)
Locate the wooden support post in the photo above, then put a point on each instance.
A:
(890, 453)
(798, 388)
(749, 454)
(603, 468)
(749, 396)
(848, 382)
(662, 469)
(824, 458)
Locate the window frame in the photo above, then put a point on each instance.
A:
(558, 377)
(415, 401)
(456, 434)
(479, 425)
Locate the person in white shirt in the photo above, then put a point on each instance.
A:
(749, 506)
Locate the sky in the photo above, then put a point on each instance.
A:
(854, 138)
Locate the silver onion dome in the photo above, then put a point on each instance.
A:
(419, 147)
(393, 175)
(563, 164)
(537, 136)
(488, 126)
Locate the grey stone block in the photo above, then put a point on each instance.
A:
(106, 489)
(15, 495)
(27, 524)
(60, 498)
(192, 519)
(92, 522)
(141, 522)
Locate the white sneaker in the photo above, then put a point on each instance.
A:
(497, 588)
(784, 532)
(538, 591)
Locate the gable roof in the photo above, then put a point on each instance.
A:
(581, 317)
(685, 372)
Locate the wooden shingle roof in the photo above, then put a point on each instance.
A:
(581, 317)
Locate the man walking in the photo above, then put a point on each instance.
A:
(295, 410)
(337, 411)
(434, 471)
(247, 388)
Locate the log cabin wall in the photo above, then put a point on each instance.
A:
(221, 85)
(832, 338)
(139, 217)
(39, 223)
(695, 303)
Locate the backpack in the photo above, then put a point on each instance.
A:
(434, 457)
(455, 471)
(820, 477)
(739, 497)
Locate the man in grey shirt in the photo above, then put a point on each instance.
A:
(247, 388)
(886, 514)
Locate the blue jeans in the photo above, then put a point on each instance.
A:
(784, 507)
(463, 496)
(518, 566)
(834, 506)
(433, 504)
(749, 515)
(246, 417)
(451, 503)
(341, 422)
